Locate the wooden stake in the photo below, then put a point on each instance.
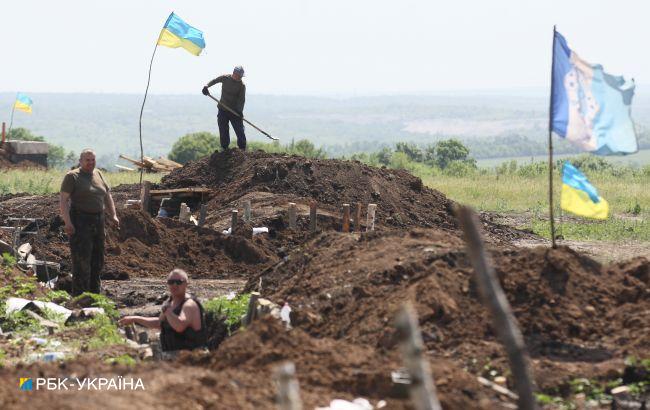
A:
(233, 221)
(357, 217)
(202, 214)
(346, 218)
(288, 388)
(422, 389)
(313, 216)
(252, 305)
(145, 197)
(292, 215)
(370, 221)
(247, 211)
(495, 299)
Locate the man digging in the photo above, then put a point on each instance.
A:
(181, 320)
(233, 96)
(84, 197)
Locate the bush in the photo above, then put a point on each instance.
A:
(194, 146)
(460, 168)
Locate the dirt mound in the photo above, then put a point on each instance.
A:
(325, 369)
(569, 307)
(144, 246)
(402, 199)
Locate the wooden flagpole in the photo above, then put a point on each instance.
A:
(142, 108)
(11, 121)
(550, 148)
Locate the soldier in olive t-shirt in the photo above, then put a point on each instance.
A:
(84, 195)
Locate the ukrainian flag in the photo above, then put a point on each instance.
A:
(177, 33)
(579, 196)
(23, 103)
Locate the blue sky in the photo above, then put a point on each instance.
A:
(335, 47)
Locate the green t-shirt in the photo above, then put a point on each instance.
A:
(87, 191)
(233, 93)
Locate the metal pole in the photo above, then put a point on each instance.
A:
(550, 147)
(142, 109)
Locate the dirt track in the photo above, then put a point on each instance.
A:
(579, 318)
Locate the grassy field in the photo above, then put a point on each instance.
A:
(628, 197)
(46, 182)
(641, 158)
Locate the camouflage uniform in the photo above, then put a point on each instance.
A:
(87, 251)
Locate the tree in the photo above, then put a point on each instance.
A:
(194, 146)
(23, 134)
(411, 150)
(450, 150)
(383, 156)
(307, 148)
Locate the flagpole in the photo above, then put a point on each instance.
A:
(550, 148)
(11, 122)
(142, 109)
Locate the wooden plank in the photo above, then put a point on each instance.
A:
(179, 190)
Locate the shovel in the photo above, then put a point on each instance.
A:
(244, 119)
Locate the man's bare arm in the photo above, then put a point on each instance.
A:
(150, 322)
(181, 322)
(64, 205)
(110, 205)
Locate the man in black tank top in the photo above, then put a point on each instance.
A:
(181, 321)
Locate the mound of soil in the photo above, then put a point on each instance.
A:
(402, 199)
(570, 308)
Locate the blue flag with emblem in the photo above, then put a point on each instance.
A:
(589, 107)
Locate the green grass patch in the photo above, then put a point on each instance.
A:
(628, 197)
(124, 359)
(105, 332)
(230, 310)
(42, 182)
(99, 301)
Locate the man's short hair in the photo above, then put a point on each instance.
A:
(180, 272)
(86, 151)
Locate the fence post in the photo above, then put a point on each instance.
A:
(288, 388)
(313, 222)
(346, 218)
(495, 299)
(357, 217)
(370, 221)
(292, 215)
(422, 389)
(247, 210)
(233, 221)
(202, 214)
(145, 198)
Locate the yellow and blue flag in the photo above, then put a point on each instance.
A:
(579, 196)
(589, 107)
(177, 33)
(23, 103)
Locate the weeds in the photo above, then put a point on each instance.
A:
(124, 359)
(231, 310)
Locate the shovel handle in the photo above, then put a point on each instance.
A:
(244, 119)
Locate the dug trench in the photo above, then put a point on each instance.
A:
(580, 319)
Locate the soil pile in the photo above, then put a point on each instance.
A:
(402, 199)
(568, 306)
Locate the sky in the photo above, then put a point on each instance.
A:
(309, 47)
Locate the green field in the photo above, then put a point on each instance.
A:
(639, 159)
(46, 182)
(527, 197)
